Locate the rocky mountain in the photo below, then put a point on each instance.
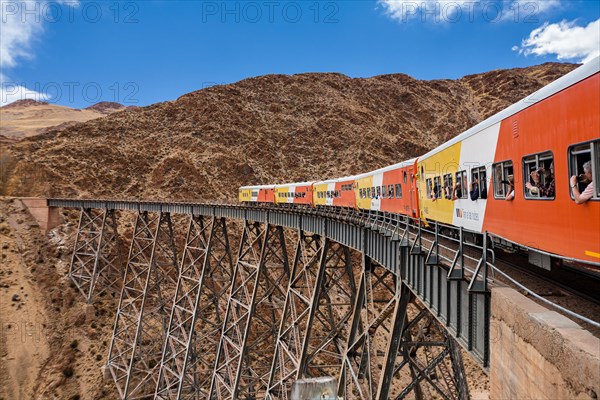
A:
(268, 129)
(107, 107)
(26, 118)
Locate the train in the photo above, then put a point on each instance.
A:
(510, 176)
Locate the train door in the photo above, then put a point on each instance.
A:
(409, 176)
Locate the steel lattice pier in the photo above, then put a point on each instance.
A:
(375, 301)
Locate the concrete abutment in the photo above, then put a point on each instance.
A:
(537, 353)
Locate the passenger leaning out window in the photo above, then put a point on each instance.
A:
(511, 188)
(543, 182)
(435, 193)
(474, 190)
(586, 177)
(457, 191)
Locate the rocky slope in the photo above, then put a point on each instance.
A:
(53, 345)
(267, 129)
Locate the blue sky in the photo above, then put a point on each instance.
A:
(77, 53)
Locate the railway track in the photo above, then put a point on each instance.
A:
(551, 277)
(581, 299)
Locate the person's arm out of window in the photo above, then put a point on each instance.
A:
(587, 194)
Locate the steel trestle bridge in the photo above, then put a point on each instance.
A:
(379, 301)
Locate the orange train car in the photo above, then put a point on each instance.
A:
(294, 193)
(513, 172)
(552, 140)
(390, 189)
(335, 192)
(257, 194)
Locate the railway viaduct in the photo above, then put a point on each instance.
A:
(254, 299)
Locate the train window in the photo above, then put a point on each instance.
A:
(448, 186)
(538, 176)
(391, 191)
(255, 193)
(437, 187)
(503, 179)
(404, 176)
(479, 174)
(429, 188)
(368, 192)
(378, 191)
(462, 191)
(398, 191)
(579, 155)
(422, 173)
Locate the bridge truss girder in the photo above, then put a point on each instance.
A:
(395, 347)
(197, 313)
(95, 266)
(144, 307)
(295, 322)
(215, 331)
(256, 299)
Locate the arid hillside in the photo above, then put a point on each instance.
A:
(26, 118)
(267, 129)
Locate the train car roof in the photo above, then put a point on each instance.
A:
(257, 187)
(585, 71)
(336, 180)
(392, 167)
(295, 184)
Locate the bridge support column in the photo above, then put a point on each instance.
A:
(331, 310)
(376, 301)
(431, 356)
(305, 279)
(205, 276)
(144, 308)
(254, 309)
(95, 263)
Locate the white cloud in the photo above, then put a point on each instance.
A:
(565, 39)
(12, 91)
(451, 11)
(18, 31)
(22, 23)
